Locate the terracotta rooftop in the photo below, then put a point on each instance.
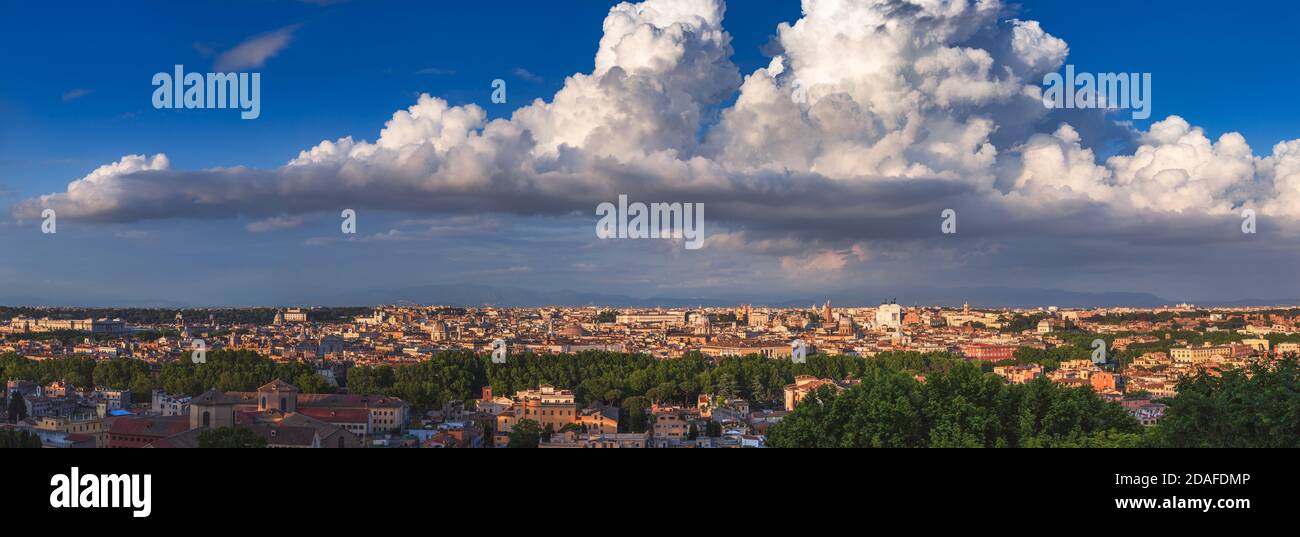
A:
(214, 397)
(277, 385)
(155, 426)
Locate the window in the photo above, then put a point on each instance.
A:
(282, 404)
(207, 419)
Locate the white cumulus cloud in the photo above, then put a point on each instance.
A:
(873, 116)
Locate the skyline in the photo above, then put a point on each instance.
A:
(201, 208)
(480, 296)
(736, 377)
(979, 234)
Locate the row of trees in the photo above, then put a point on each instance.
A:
(81, 372)
(237, 371)
(224, 370)
(958, 404)
(619, 379)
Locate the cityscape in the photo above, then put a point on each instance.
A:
(1041, 253)
(408, 376)
(647, 224)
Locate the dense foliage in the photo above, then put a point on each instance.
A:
(237, 371)
(19, 439)
(15, 409)
(960, 407)
(224, 370)
(612, 378)
(1255, 407)
(525, 434)
(76, 371)
(957, 404)
(1020, 323)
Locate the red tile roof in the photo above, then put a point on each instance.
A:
(150, 426)
(337, 415)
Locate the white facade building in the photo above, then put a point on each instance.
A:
(889, 317)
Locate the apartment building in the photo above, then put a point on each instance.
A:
(988, 353)
(671, 423)
(599, 420)
(80, 425)
(1199, 355)
(545, 405)
(1019, 374)
(805, 384)
(771, 350)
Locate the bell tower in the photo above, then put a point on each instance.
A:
(277, 395)
(212, 410)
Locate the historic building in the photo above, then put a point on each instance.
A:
(286, 418)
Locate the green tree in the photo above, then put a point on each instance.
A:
(241, 371)
(525, 434)
(230, 438)
(17, 408)
(142, 386)
(19, 439)
(960, 407)
(1254, 407)
(311, 382)
(635, 414)
(118, 373)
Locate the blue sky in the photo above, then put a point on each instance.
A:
(351, 64)
(76, 90)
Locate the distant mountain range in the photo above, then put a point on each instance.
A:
(483, 295)
(1008, 297)
(469, 295)
(983, 297)
(31, 301)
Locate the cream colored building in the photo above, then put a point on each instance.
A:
(93, 427)
(546, 405)
(1198, 355)
(1259, 344)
